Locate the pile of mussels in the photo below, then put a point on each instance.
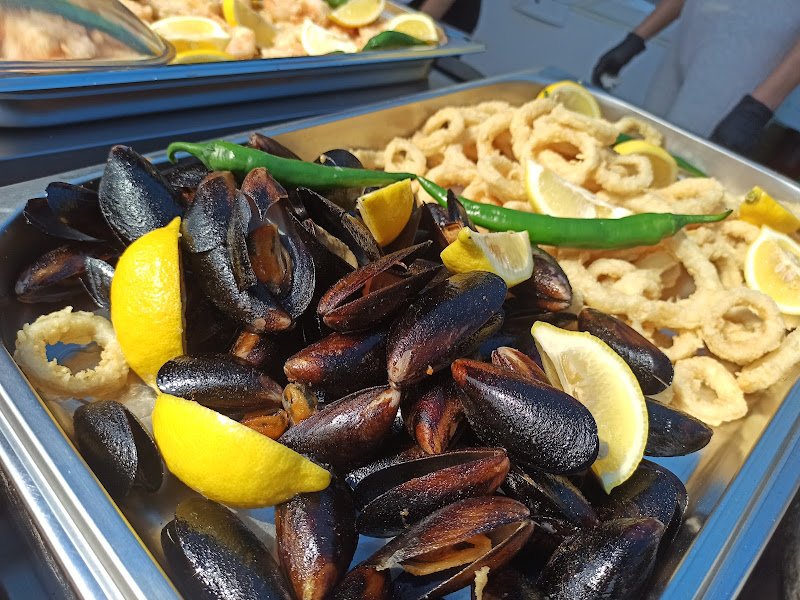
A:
(420, 390)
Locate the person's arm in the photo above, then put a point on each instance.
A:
(436, 8)
(740, 130)
(610, 64)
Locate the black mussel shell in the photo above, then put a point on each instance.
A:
(672, 432)
(259, 141)
(96, 279)
(205, 225)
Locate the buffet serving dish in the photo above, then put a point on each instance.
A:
(739, 485)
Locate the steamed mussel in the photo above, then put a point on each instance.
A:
(420, 390)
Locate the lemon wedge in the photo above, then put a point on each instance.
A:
(357, 13)
(772, 266)
(238, 13)
(317, 40)
(146, 306)
(549, 194)
(418, 25)
(665, 169)
(227, 461)
(191, 57)
(589, 370)
(759, 208)
(507, 254)
(192, 33)
(573, 96)
(386, 211)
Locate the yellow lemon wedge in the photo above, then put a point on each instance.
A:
(589, 370)
(507, 254)
(759, 208)
(226, 461)
(665, 169)
(239, 13)
(573, 96)
(549, 194)
(191, 57)
(772, 266)
(357, 13)
(418, 25)
(146, 305)
(317, 40)
(386, 211)
(187, 33)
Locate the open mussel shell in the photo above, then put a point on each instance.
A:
(349, 432)
(672, 432)
(70, 212)
(364, 583)
(434, 329)
(211, 554)
(395, 497)
(613, 560)
(547, 290)
(506, 584)
(433, 414)
(338, 157)
(96, 280)
(218, 381)
(316, 538)
(116, 447)
(441, 553)
(540, 426)
(652, 368)
(518, 362)
(262, 190)
(134, 197)
(205, 225)
(259, 141)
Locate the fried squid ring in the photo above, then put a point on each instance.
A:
(574, 155)
(701, 269)
(371, 159)
(695, 195)
(601, 130)
(490, 133)
(635, 127)
(449, 177)
(479, 191)
(624, 277)
(706, 389)
(683, 344)
(69, 327)
(403, 156)
(624, 174)
(522, 122)
(645, 202)
(443, 128)
(503, 177)
(772, 367)
(742, 326)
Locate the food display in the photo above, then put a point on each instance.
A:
(466, 341)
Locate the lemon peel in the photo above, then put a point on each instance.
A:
(665, 168)
(573, 96)
(507, 254)
(386, 211)
(772, 266)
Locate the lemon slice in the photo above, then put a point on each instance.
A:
(238, 13)
(665, 169)
(191, 57)
(146, 306)
(386, 211)
(418, 25)
(772, 266)
(588, 369)
(507, 254)
(552, 195)
(573, 96)
(317, 40)
(192, 33)
(759, 208)
(357, 13)
(227, 461)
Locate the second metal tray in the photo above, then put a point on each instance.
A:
(739, 485)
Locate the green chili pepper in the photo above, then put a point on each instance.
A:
(386, 40)
(336, 3)
(636, 230)
(683, 164)
(226, 156)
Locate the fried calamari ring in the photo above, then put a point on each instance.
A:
(518, 205)
(601, 130)
(773, 367)
(455, 158)
(701, 269)
(635, 127)
(503, 177)
(371, 159)
(443, 128)
(624, 174)
(522, 122)
(684, 344)
(695, 195)
(477, 114)
(448, 177)
(646, 202)
(70, 327)
(624, 277)
(574, 155)
(490, 134)
(742, 325)
(402, 155)
(706, 389)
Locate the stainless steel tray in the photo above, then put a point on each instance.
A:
(739, 485)
(39, 100)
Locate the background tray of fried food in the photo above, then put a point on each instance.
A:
(739, 485)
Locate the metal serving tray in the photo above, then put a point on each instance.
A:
(38, 100)
(739, 485)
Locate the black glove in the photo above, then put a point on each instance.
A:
(620, 55)
(741, 128)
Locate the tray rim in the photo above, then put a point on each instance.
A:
(719, 558)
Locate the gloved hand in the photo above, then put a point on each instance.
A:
(741, 128)
(620, 55)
